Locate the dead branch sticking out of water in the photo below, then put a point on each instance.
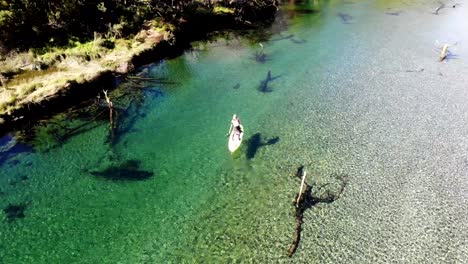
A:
(300, 208)
(444, 52)
(305, 200)
(260, 56)
(441, 6)
(111, 113)
(300, 189)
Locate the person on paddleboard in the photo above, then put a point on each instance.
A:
(237, 126)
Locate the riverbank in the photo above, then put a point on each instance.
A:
(53, 81)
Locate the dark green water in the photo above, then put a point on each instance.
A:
(360, 96)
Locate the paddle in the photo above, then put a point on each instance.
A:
(230, 128)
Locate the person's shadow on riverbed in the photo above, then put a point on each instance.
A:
(255, 142)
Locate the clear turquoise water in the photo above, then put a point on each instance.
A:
(349, 101)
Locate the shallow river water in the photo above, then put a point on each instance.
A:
(357, 96)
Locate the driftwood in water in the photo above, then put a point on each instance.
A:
(136, 80)
(162, 80)
(441, 6)
(260, 56)
(145, 78)
(444, 52)
(111, 112)
(300, 208)
(305, 200)
(300, 189)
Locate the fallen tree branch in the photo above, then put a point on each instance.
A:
(443, 53)
(300, 208)
(305, 200)
(300, 190)
(145, 78)
(111, 111)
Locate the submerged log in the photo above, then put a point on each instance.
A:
(297, 235)
(145, 78)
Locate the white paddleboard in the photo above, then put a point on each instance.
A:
(235, 140)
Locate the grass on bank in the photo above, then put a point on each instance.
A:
(32, 76)
(223, 10)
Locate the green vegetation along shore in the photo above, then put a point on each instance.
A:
(48, 48)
